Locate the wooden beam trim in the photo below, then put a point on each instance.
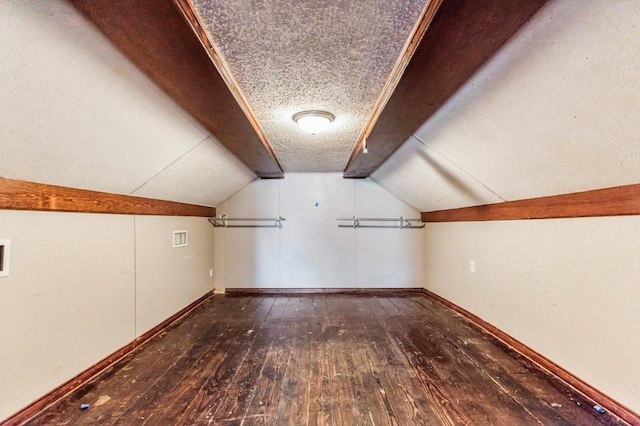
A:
(607, 402)
(188, 11)
(461, 38)
(69, 386)
(23, 195)
(615, 201)
(428, 13)
(158, 39)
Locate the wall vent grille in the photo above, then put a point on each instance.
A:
(179, 238)
(4, 258)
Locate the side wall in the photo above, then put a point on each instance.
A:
(81, 286)
(567, 288)
(310, 251)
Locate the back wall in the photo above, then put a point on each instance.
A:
(310, 251)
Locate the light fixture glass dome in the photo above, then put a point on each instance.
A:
(313, 121)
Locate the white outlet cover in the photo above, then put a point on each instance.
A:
(472, 266)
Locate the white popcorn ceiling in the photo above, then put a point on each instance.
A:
(289, 56)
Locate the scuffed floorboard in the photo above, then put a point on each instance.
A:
(324, 359)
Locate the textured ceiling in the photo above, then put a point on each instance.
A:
(288, 56)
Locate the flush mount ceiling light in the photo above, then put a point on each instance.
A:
(313, 121)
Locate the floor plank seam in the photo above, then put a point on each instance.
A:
(324, 359)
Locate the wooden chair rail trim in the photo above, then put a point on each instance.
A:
(605, 401)
(615, 201)
(69, 386)
(23, 195)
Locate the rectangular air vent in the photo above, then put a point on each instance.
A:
(4, 258)
(179, 238)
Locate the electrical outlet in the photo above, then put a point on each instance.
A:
(210, 273)
(472, 266)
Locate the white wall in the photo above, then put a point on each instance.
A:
(75, 112)
(82, 286)
(310, 251)
(568, 288)
(168, 278)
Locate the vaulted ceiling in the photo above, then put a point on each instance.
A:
(500, 100)
(243, 68)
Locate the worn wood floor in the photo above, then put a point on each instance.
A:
(334, 359)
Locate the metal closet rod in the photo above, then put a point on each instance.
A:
(222, 222)
(402, 222)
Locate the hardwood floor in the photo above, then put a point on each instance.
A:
(333, 359)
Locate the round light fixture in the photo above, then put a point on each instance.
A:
(313, 121)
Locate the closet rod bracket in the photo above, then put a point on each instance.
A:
(227, 222)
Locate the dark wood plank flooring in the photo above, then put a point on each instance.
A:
(334, 359)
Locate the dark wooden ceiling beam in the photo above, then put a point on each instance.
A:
(463, 35)
(428, 13)
(156, 37)
(189, 13)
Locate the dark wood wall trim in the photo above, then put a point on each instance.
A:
(363, 291)
(40, 404)
(460, 39)
(616, 201)
(605, 401)
(22, 195)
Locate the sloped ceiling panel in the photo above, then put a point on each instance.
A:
(462, 37)
(156, 37)
(199, 176)
(76, 113)
(426, 180)
(556, 111)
